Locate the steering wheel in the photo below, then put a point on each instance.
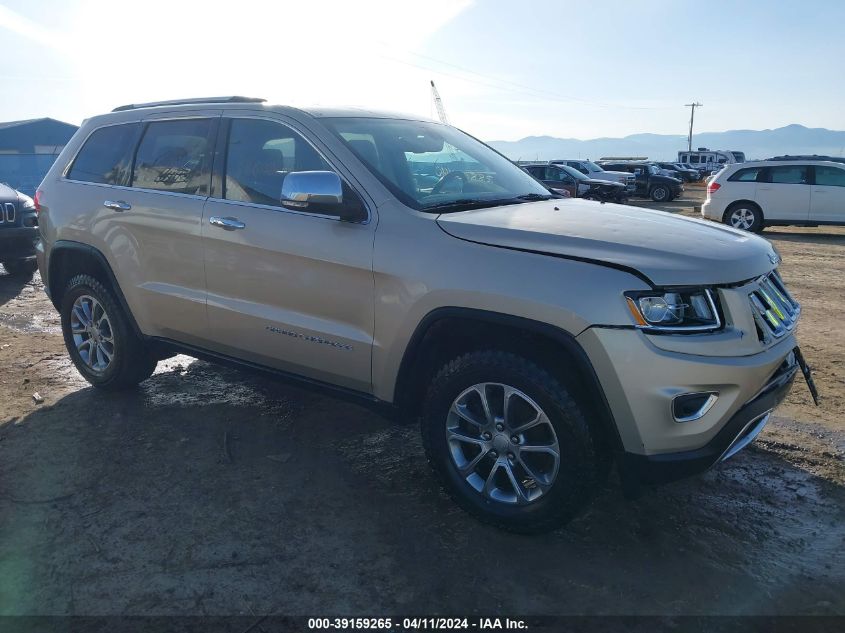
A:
(456, 175)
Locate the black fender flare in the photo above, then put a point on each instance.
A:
(87, 250)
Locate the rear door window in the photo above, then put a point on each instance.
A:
(175, 156)
(788, 175)
(106, 157)
(830, 176)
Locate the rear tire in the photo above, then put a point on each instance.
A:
(21, 268)
(745, 216)
(99, 338)
(511, 478)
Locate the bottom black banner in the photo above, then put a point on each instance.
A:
(402, 624)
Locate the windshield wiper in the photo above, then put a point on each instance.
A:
(469, 203)
(531, 197)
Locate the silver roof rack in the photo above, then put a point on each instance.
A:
(152, 104)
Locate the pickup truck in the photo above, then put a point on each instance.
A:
(649, 182)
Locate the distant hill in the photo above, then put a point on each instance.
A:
(792, 139)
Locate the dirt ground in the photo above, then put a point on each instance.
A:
(209, 491)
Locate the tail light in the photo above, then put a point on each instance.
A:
(713, 187)
(37, 201)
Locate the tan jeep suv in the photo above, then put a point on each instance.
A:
(399, 261)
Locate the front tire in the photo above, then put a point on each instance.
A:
(508, 442)
(99, 338)
(745, 216)
(661, 193)
(21, 268)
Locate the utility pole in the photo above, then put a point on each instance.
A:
(438, 103)
(693, 106)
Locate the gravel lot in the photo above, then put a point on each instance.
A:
(209, 491)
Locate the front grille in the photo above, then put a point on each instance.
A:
(7, 213)
(774, 309)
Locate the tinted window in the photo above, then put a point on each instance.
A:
(746, 175)
(693, 159)
(830, 176)
(788, 175)
(260, 155)
(106, 156)
(174, 156)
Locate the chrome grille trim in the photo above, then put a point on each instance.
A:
(774, 309)
(8, 213)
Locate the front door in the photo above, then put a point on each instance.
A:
(287, 289)
(827, 195)
(786, 193)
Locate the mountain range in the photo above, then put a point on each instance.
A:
(791, 139)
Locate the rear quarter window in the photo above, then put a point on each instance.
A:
(106, 156)
(750, 174)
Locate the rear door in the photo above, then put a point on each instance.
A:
(827, 195)
(292, 290)
(171, 177)
(785, 193)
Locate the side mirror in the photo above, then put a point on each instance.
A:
(321, 192)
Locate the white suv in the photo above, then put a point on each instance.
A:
(781, 191)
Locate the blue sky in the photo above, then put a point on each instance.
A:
(505, 69)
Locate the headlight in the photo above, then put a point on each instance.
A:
(681, 310)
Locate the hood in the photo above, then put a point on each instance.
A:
(598, 181)
(669, 250)
(7, 194)
(624, 174)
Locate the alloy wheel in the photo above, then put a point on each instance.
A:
(742, 218)
(502, 443)
(92, 333)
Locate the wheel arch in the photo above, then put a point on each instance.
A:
(449, 331)
(68, 259)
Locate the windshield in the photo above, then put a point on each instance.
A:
(429, 166)
(592, 167)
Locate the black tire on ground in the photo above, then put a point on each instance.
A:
(746, 216)
(132, 361)
(21, 268)
(622, 200)
(580, 464)
(660, 193)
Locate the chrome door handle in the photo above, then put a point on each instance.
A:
(117, 205)
(230, 224)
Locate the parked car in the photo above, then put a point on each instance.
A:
(537, 340)
(18, 232)
(649, 182)
(683, 173)
(592, 170)
(781, 191)
(577, 184)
